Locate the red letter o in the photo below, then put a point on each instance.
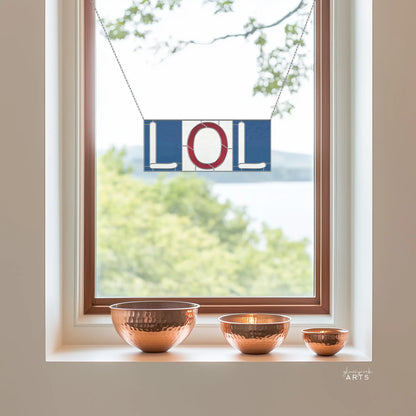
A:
(224, 145)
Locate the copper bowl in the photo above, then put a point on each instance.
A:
(325, 341)
(254, 333)
(154, 326)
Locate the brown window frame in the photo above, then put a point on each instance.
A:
(320, 302)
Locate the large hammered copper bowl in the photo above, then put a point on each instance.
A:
(325, 341)
(254, 333)
(154, 326)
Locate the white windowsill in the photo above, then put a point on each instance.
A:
(197, 354)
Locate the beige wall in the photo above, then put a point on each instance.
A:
(30, 386)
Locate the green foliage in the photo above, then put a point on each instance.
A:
(174, 238)
(272, 62)
(222, 6)
(273, 65)
(140, 14)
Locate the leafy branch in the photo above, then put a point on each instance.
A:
(272, 62)
(252, 27)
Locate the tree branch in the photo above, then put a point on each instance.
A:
(249, 32)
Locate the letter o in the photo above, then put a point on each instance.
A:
(224, 145)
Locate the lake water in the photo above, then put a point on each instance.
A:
(285, 205)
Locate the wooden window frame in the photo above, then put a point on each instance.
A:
(319, 303)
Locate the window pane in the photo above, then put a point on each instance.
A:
(211, 233)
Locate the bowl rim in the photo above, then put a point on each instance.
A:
(328, 331)
(223, 319)
(186, 305)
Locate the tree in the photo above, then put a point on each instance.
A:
(272, 61)
(174, 238)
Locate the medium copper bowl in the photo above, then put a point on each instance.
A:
(154, 326)
(254, 333)
(325, 341)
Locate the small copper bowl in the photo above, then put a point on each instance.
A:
(254, 333)
(154, 326)
(325, 341)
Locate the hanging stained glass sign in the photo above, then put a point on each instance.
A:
(207, 145)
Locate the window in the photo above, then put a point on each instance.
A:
(100, 222)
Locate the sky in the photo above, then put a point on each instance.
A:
(200, 82)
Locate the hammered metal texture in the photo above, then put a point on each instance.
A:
(253, 333)
(325, 341)
(154, 326)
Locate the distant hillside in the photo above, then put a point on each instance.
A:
(285, 167)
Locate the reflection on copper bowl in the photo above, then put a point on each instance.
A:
(325, 341)
(154, 326)
(254, 333)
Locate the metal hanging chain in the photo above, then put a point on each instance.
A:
(131, 90)
(293, 59)
(115, 55)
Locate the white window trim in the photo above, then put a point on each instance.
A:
(79, 329)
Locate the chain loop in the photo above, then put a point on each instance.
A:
(293, 59)
(115, 55)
